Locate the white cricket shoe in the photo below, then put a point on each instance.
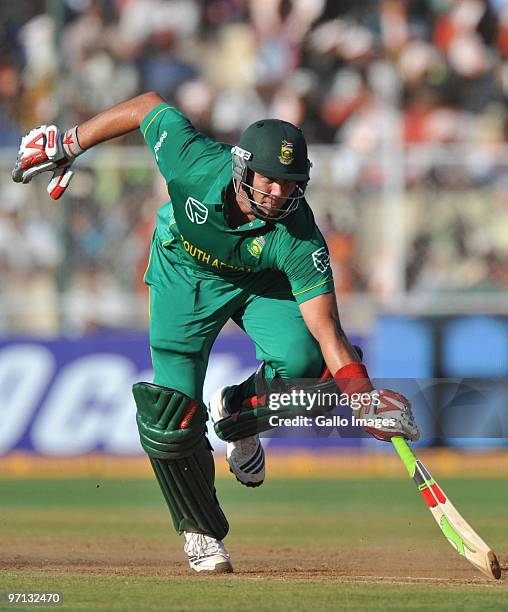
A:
(246, 457)
(206, 554)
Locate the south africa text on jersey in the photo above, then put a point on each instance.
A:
(209, 259)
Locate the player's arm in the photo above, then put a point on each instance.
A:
(321, 316)
(46, 148)
(117, 120)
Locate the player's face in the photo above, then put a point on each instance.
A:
(275, 192)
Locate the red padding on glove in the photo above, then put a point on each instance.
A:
(353, 378)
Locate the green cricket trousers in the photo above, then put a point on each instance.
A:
(189, 306)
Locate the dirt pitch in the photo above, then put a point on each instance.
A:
(142, 559)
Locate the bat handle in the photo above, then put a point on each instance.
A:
(405, 453)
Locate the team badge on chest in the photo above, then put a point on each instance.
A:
(256, 245)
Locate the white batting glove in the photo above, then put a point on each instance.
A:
(391, 415)
(43, 149)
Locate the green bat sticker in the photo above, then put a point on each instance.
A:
(454, 538)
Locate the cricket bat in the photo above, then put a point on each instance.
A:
(455, 529)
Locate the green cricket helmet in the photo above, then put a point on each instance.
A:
(275, 149)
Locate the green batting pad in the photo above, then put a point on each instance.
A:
(172, 431)
(245, 422)
(187, 485)
(170, 424)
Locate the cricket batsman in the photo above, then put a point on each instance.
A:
(236, 240)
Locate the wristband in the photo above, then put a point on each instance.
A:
(353, 378)
(70, 143)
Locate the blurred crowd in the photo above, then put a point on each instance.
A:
(316, 63)
(371, 79)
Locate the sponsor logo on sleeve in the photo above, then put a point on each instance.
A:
(158, 144)
(321, 259)
(195, 211)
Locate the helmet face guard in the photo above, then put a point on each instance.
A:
(242, 180)
(275, 149)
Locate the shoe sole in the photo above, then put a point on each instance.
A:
(251, 485)
(221, 568)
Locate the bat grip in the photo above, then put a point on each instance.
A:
(405, 453)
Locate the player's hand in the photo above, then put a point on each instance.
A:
(46, 149)
(389, 406)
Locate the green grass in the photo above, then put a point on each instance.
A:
(322, 517)
(99, 593)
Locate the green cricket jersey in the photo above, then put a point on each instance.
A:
(198, 171)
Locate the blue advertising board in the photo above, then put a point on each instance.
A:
(71, 396)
